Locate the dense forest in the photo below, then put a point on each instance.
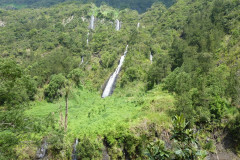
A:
(176, 94)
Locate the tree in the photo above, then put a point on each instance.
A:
(159, 70)
(15, 86)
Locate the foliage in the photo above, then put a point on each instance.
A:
(15, 87)
(195, 48)
(88, 149)
(76, 76)
(234, 127)
(186, 142)
(53, 90)
(108, 59)
(8, 140)
(218, 107)
(157, 151)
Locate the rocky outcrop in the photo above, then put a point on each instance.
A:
(65, 22)
(2, 24)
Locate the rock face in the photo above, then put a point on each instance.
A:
(65, 22)
(2, 24)
(41, 152)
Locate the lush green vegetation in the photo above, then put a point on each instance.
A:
(178, 107)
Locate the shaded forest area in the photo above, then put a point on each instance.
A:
(139, 5)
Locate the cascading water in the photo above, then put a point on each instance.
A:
(118, 25)
(88, 38)
(92, 22)
(82, 60)
(41, 152)
(74, 155)
(112, 80)
(138, 25)
(151, 57)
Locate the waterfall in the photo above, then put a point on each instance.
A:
(41, 152)
(74, 155)
(92, 22)
(138, 25)
(118, 25)
(88, 38)
(82, 60)
(151, 57)
(111, 82)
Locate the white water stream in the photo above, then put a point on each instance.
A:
(74, 155)
(88, 38)
(92, 22)
(151, 57)
(138, 25)
(112, 80)
(118, 25)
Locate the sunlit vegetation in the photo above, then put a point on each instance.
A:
(177, 107)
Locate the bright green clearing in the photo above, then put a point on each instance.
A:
(91, 115)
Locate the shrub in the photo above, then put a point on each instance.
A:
(157, 151)
(108, 59)
(75, 75)
(218, 108)
(88, 149)
(53, 90)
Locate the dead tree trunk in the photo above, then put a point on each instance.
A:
(66, 113)
(61, 118)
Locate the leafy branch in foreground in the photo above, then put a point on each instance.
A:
(184, 144)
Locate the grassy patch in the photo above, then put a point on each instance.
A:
(89, 114)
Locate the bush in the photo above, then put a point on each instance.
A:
(122, 142)
(218, 108)
(75, 75)
(108, 59)
(7, 142)
(157, 151)
(88, 149)
(53, 90)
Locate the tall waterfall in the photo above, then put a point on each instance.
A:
(118, 25)
(92, 22)
(111, 82)
(151, 57)
(74, 155)
(138, 25)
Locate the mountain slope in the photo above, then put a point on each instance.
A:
(50, 56)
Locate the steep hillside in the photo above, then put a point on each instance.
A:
(178, 86)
